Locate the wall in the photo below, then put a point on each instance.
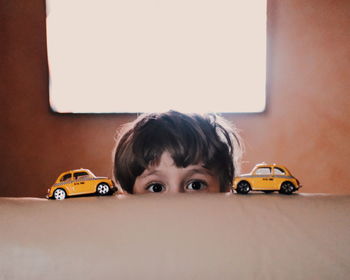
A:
(305, 126)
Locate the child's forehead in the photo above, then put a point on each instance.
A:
(167, 159)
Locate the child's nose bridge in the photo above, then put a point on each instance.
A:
(176, 187)
(176, 179)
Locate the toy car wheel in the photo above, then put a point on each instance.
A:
(59, 194)
(243, 187)
(287, 188)
(102, 189)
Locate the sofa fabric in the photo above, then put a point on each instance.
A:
(180, 236)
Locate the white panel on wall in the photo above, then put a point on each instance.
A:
(153, 55)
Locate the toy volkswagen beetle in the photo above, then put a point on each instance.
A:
(78, 182)
(267, 178)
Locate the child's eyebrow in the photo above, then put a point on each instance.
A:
(200, 170)
(189, 173)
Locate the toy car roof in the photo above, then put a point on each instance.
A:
(77, 170)
(263, 164)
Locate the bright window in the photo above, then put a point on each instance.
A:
(154, 55)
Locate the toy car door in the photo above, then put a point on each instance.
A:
(279, 177)
(81, 184)
(66, 181)
(263, 179)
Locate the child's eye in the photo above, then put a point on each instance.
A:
(156, 187)
(196, 185)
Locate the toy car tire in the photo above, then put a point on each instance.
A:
(59, 194)
(243, 187)
(103, 189)
(287, 187)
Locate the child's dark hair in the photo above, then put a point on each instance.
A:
(189, 138)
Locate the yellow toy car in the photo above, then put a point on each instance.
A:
(267, 178)
(78, 182)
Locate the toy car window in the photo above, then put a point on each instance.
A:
(66, 177)
(279, 171)
(263, 171)
(77, 175)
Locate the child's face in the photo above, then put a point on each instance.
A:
(168, 178)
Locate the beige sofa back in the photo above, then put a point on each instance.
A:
(182, 236)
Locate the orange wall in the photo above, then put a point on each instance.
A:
(306, 125)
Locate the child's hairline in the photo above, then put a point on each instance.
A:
(157, 163)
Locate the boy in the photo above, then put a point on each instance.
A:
(176, 152)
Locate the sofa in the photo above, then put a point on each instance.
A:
(179, 236)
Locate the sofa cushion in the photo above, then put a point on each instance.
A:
(180, 236)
